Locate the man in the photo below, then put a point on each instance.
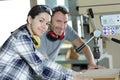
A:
(58, 32)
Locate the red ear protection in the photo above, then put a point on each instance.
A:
(53, 37)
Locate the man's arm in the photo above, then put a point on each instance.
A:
(87, 51)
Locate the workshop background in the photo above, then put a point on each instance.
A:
(106, 19)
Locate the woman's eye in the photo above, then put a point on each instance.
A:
(41, 20)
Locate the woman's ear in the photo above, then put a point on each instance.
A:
(29, 19)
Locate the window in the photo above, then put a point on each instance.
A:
(60, 2)
(41, 1)
(13, 14)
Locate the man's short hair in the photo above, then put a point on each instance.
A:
(62, 9)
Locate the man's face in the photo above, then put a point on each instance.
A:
(59, 22)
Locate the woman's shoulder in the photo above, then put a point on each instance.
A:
(20, 31)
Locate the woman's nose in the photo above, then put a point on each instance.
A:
(45, 25)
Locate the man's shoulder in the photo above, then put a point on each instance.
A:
(43, 35)
(69, 28)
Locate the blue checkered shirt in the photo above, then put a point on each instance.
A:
(19, 60)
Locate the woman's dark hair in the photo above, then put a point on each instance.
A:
(39, 9)
(62, 9)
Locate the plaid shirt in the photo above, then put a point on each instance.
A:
(20, 61)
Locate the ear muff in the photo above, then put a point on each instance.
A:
(53, 37)
(36, 41)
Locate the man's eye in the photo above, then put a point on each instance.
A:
(48, 24)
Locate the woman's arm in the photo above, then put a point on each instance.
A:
(42, 66)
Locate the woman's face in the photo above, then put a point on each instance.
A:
(39, 24)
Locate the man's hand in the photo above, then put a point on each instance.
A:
(93, 66)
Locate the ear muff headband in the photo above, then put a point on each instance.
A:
(53, 37)
(35, 39)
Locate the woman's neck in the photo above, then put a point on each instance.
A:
(29, 29)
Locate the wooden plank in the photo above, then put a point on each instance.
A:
(101, 9)
(96, 2)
